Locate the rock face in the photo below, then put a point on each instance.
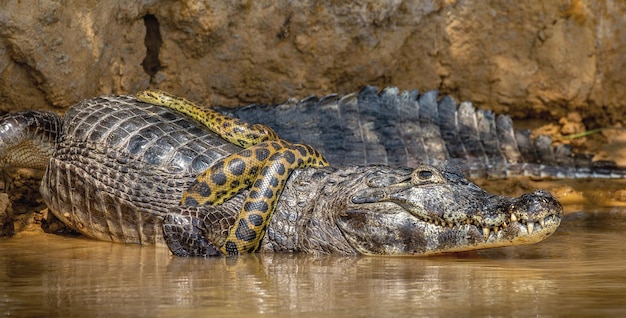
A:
(527, 58)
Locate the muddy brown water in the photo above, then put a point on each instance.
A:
(579, 271)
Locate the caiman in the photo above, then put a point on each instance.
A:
(117, 168)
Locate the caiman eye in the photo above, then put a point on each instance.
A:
(426, 175)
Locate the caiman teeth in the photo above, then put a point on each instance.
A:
(529, 227)
(529, 224)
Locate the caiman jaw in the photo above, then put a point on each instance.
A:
(491, 232)
(530, 226)
(530, 213)
(487, 231)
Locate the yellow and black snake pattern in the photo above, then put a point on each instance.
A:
(233, 130)
(263, 166)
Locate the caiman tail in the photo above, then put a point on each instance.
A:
(407, 128)
(28, 138)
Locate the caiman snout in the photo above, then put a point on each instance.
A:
(527, 219)
(537, 211)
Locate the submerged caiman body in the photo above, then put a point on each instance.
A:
(118, 168)
(406, 128)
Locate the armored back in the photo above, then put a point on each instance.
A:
(120, 164)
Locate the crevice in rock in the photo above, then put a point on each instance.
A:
(153, 41)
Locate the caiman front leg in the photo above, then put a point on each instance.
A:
(265, 166)
(186, 231)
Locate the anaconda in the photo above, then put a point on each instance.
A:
(120, 166)
(263, 166)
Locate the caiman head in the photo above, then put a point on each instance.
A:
(428, 210)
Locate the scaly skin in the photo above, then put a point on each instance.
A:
(264, 166)
(406, 128)
(235, 131)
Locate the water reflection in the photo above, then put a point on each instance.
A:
(581, 270)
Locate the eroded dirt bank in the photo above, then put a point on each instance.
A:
(529, 59)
